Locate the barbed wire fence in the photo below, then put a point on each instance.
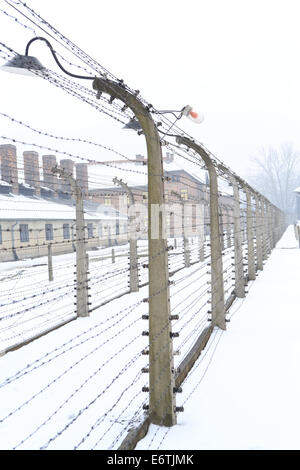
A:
(125, 361)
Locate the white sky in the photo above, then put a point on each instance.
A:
(236, 61)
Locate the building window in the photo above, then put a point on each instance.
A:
(107, 201)
(24, 233)
(66, 231)
(100, 231)
(49, 231)
(0, 234)
(117, 227)
(175, 178)
(184, 194)
(90, 230)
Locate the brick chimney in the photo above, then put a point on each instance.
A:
(169, 158)
(9, 169)
(50, 180)
(32, 171)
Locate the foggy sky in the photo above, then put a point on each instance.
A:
(235, 61)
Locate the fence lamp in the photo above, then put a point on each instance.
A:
(28, 65)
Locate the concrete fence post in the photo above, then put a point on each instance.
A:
(201, 238)
(244, 225)
(264, 228)
(133, 255)
(250, 244)
(82, 308)
(271, 225)
(186, 244)
(201, 249)
(162, 408)
(113, 258)
(81, 268)
(217, 283)
(186, 252)
(276, 225)
(229, 228)
(50, 264)
(268, 227)
(221, 224)
(237, 237)
(258, 234)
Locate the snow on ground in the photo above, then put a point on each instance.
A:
(80, 386)
(243, 392)
(30, 304)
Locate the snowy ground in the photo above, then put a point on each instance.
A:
(31, 305)
(243, 392)
(80, 386)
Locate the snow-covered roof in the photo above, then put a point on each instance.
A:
(19, 207)
(27, 185)
(4, 183)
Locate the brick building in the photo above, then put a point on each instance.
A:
(188, 185)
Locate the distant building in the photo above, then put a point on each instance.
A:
(177, 177)
(188, 180)
(29, 224)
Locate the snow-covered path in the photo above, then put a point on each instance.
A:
(243, 393)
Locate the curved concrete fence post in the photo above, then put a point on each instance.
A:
(162, 410)
(258, 234)
(250, 243)
(238, 249)
(217, 284)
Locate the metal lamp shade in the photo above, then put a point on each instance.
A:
(133, 124)
(22, 64)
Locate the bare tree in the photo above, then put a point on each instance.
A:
(276, 174)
